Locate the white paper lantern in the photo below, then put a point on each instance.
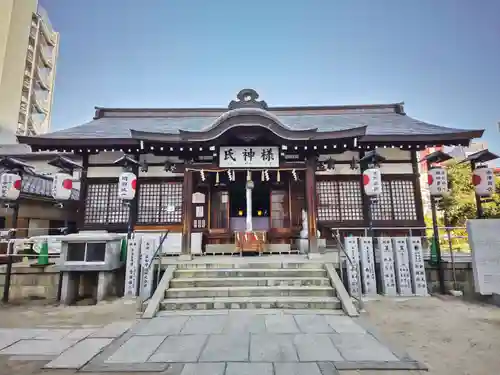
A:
(372, 182)
(62, 185)
(126, 186)
(483, 180)
(438, 181)
(10, 186)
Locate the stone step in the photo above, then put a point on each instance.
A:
(259, 263)
(244, 272)
(287, 302)
(251, 291)
(190, 282)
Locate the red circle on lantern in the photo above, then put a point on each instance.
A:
(17, 184)
(430, 179)
(67, 184)
(366, 179)
(476, 180)
(133, 183)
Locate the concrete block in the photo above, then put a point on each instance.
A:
(272, 348)
(205, 324)
(362, 347)
(249, 369)
(78, 355)
(297, 369)
(316, 347)
(313, 324)
(344, 324)
(281, 324)
(226, 348)
(204, 369)
(163, 326)
(137, 349)
(179, 349)
(113, 330)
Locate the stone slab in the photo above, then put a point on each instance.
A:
(81, 333)
(328, 368)
(164, 313)
(244, 322)
(32, 358)
(226, 348)
(297, 369)
(204, 369)
(204, 325)
(78, 355)
(316, 347)
(113, 330)
(362, 347)
(53, 334)
(313, 324)
(38, 347)
(8, 341)
(162, 326)
(249, 368)
(133, 368)
(272, 348)
(185, 348)
(361, 366)
(281, 323)
(344, 324)
(137, 349)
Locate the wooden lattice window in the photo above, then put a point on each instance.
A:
(279, 209)
(397, 201)
(160, 203)
(339, 200)
(102, 205)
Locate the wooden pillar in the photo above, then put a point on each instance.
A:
(311, 203)
(187, 217)
(419, 206)
(83, 192)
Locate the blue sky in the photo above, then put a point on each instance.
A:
(442, 58)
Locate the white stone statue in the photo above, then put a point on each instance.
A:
(305, 228)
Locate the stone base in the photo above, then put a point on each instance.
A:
(303, 245)
(314, 255)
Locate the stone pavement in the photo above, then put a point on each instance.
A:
(216, 342)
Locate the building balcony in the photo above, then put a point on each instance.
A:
(46, 60)
(42, 79)
(39, 106)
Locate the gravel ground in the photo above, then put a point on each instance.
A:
(449, 335)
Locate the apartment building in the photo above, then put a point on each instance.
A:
(28, 54)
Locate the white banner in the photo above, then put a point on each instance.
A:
(148, 248)
(401, 258)
(132, 266)
(249, 157)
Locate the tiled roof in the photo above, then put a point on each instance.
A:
(377, 122)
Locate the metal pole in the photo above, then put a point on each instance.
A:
(479, 204)
(12, 235)
(435, 229)
(450, 245)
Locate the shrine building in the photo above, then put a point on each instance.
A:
(216, 174)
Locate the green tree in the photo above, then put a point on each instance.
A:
(460, 205)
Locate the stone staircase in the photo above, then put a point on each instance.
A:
(300, 285)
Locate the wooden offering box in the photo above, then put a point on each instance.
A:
(250, 241)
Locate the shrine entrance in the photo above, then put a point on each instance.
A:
(260, 205)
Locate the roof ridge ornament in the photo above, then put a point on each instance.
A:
(247, 98)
